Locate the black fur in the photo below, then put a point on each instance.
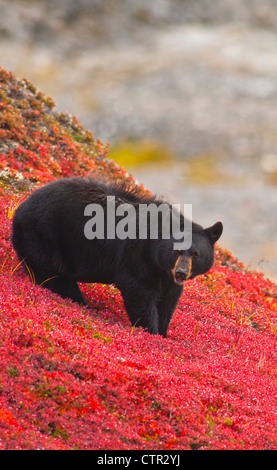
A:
(48, 235)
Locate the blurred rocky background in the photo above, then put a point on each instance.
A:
(185, 92)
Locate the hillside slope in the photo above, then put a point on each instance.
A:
(72, 378)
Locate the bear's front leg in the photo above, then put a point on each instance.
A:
(141, 308)
(167, 306)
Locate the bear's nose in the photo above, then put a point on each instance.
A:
(181, 274)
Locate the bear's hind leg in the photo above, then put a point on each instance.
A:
(65, 286)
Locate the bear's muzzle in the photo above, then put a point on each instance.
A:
(182, 269)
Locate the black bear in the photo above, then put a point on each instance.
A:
(54, 238)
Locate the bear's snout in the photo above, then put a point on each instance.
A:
(181, 274)
(182, 269)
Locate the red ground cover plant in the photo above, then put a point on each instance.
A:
(81, 378)
(38, 144)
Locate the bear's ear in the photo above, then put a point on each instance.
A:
(214, 232)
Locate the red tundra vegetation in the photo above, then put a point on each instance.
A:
(76, 378)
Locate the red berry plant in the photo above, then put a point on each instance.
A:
(72, 377)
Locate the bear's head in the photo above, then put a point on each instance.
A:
(188, 263)
(199, 258)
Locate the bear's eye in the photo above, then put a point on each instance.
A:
(194, 254)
